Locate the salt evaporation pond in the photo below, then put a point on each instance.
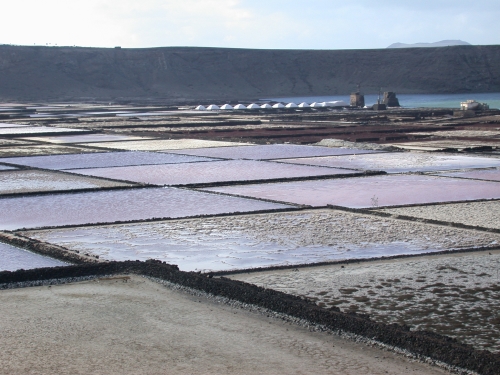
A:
(101, 159)
(248, 241)
(119, 205)
(6, 168)
(266, 152)
(397, 162)
(366, 192)
(216, 171)
(34, 181)
(164, 144)
(12, 259)
(489, 174)
(83, 138)
(37, 130)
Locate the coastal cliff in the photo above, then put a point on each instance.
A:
(177, 74)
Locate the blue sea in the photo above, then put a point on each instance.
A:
(408, 100)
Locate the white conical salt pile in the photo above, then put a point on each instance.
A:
(265, 106)
(303, 105)
(291, 105)
(316, 105)
(227, 107)
(253, 106)
(278, 105)
(213, 107)
(239, 106)
(201, 108)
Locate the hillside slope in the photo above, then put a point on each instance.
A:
(189, 73)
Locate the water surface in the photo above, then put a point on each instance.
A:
(13, 258)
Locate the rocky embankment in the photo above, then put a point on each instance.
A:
(180, 74)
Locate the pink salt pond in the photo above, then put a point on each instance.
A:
(216, 171)
(101, 159)
(119, 205)
(397, 162)
(267, 152)
(488, 174)
(365, 192)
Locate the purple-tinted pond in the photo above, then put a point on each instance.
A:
(12, 259)
(488, 174)
(388, 190)
(217, 171)
(101, 159)
(119, 205)
(266, 152)
(397, 162)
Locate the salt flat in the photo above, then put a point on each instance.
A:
(261, 240)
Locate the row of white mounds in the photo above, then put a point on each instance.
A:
(229, 107)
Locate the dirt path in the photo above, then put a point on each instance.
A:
(135, 326)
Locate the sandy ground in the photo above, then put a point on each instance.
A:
(135, 326)
(456, 295)
(246, 241)
(483, 214)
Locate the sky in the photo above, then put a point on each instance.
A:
(271, 24)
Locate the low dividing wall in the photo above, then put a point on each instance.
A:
(437, 347)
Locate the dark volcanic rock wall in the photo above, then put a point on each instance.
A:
(188, 73)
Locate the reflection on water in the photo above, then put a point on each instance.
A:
(248, 241)
(12, 259)
(489, 174)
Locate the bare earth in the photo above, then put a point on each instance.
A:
(135, 326)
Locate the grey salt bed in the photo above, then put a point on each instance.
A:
(101, 159)
(119, 205)
(398, 162)
(373, 191)
(90, 138)
(36, 130)
(23, 181)
(490, 174)
(216, 171)
(265, 152)
(248, 241)
(12, 259)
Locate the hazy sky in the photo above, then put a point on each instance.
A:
(315, 24)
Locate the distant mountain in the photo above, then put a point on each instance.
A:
(182, 74)
(443, 43)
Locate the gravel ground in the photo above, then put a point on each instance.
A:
(483, 214)
(163, 144)
(456, 295)
(129, 324)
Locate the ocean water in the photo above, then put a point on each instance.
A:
(408, 100)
